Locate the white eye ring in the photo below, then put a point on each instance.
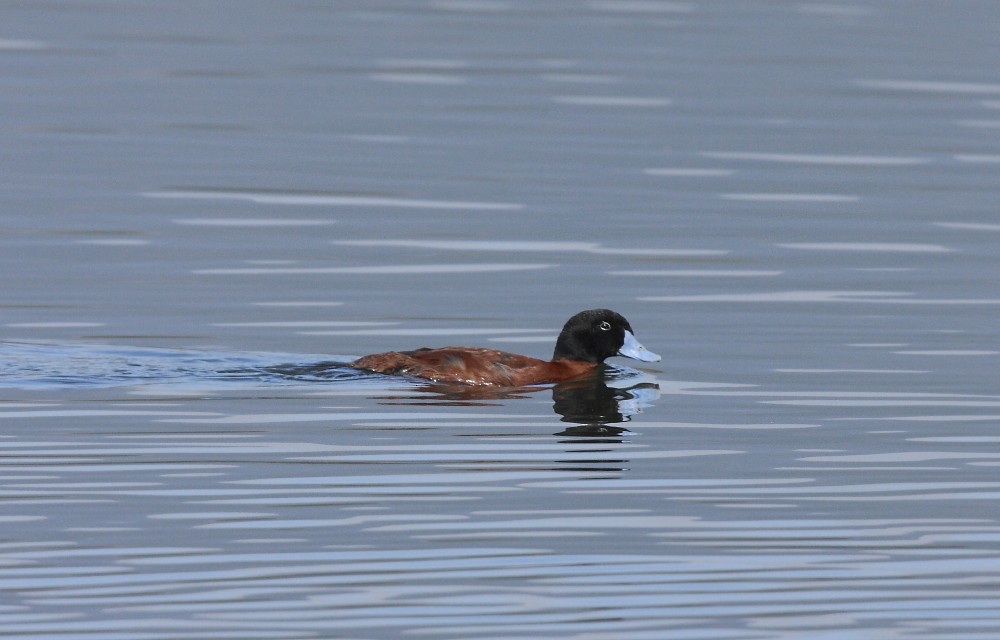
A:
(604, 326)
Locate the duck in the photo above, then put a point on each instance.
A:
(586, 340)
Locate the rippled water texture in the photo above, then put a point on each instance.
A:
(207, 209)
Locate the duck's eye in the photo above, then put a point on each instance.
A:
(604, 326)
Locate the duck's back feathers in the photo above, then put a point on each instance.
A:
(472, 365)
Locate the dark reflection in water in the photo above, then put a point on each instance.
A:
(594, 406)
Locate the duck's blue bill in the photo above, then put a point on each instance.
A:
(634, 349)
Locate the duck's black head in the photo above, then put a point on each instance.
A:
(597, 334)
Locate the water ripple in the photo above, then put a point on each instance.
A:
(330, 200)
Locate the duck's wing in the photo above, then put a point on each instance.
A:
(462, 365)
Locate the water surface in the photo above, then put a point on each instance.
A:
(794, 203)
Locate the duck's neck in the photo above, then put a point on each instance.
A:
(569, 347)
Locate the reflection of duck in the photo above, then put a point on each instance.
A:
(593, 405)
(592, 402)
(585, 341)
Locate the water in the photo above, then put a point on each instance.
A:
(794, 203)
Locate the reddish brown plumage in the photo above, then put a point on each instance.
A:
(473, 366)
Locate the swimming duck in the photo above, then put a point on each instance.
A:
(585, 341)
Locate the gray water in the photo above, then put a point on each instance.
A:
(206, 208)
